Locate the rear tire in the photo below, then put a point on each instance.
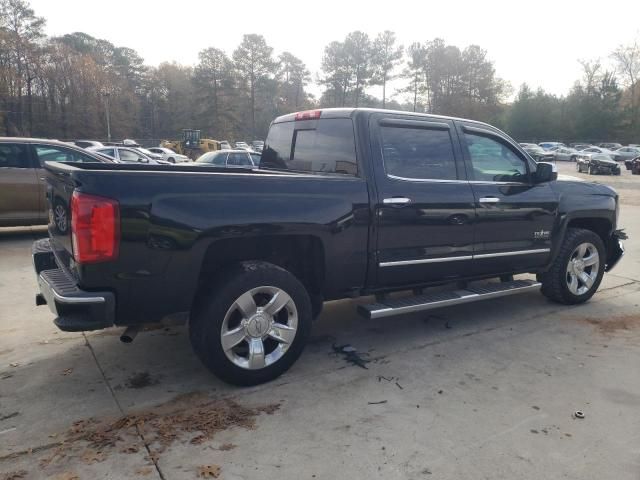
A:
(577, 270)
(235, 332)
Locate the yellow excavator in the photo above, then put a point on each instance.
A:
(191, 144)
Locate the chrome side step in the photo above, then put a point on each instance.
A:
(430, 301)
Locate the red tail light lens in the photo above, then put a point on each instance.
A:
(95, 228)
(308, 115)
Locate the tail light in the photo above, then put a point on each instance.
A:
(95, 228)
(308, 115)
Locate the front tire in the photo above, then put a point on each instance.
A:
(251, 325)
(577, 270)
(592, 171)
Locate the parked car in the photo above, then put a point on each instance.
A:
(224, 145)
(87, 143)
(249, 256)
(630, 163)
(582, 146)
(539, 154)
(566, 154)
(169, 155)
(227, 158)
(625, 153)
(126, 154)
(602, 150)
(548, 145)
(257, 145)
(150, 154)
(22, 177)
(242, 146)
(597, 163)
(610, 146)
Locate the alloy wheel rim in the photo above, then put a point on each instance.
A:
(259, 327)
(582, 268)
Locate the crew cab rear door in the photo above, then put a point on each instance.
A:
(515, 216)
(425, 206)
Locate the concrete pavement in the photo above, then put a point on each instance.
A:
(484, 390)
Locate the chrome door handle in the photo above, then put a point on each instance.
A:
(489, 200)
(396, 201)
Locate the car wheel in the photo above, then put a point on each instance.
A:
(578, 167)
(573, 159)
(577, 270)
(591, 170)
(635, 170)
(251, 325)
(171, 160)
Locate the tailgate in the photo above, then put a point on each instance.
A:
(60, 187)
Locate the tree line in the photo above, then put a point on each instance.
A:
(62, 87)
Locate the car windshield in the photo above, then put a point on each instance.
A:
(601, 156)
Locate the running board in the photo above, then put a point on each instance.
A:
(430, 301)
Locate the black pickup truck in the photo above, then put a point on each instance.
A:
(345, 203)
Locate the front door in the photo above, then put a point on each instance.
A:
(515, 216)
(425, 206)
(20, 202)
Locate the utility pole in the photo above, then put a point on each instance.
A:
(106, 106)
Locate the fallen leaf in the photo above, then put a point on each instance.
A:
(15, 364)
(226, 447)
(209, 471)
(144, 471)
(68, 371)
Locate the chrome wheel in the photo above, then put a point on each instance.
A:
(259, 327)
(583, 267)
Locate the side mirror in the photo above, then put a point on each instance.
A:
(545, 172)
(143, 160)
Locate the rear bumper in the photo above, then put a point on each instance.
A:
(76, 310)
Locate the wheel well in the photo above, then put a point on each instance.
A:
(600, 226)
(302, 255)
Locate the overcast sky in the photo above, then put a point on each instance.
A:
(537, 42)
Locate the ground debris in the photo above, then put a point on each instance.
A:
(15, 475)
(225, 447)
(209, 471)
(8, 416)
(67, 476)
(615, 324)
(377, 403)
(94, 439)
(351, 355)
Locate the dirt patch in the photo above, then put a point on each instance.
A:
(195, 417)
(611, 325)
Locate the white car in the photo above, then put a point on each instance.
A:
(169, 155)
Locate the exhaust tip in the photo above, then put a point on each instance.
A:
(129, 334)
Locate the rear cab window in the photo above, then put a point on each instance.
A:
(323, 146)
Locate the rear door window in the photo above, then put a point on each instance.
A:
(14, 155)
(315, 146)
(418, 153)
